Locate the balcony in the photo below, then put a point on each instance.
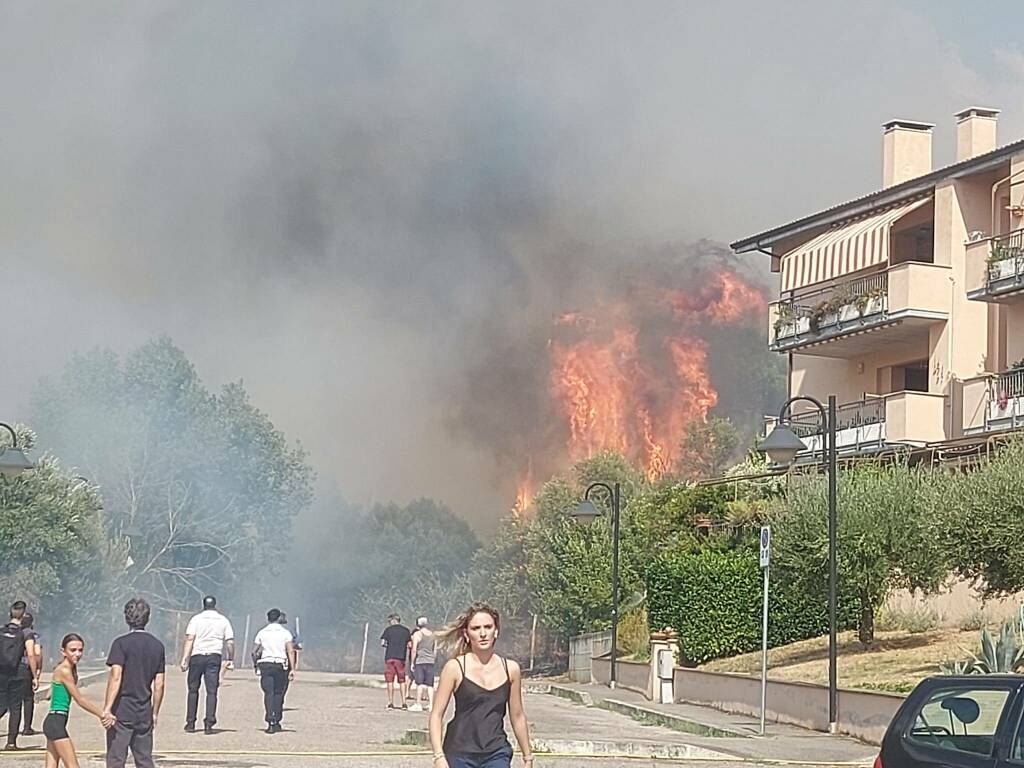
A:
(995, 268)
(993, 402)
(855, 317)
(876, 423)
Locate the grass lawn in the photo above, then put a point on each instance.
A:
(895, 662)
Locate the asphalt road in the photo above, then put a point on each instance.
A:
(329, 725)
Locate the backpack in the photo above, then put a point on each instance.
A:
(12, 647)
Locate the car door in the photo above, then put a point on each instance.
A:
(957, 724)
(1010, 751)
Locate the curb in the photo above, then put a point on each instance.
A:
(639, 713)
(586, 748)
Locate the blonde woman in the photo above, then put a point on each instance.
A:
(486, 686)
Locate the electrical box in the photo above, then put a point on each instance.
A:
(666, 664)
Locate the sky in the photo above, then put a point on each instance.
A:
(331, 200)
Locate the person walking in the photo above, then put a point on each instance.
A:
(423, 658)
(30, 676)
(208, 639)
(274, 652)
(396, 640)
(135, 689)
(486, 686)
(64, 690)
(13, 649)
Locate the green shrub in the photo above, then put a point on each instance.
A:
(713, 598)
(914, 620)
(975, 620)
(634, 636)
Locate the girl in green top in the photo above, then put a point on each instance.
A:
(64, 688)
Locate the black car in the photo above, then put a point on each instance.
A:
(970, 721)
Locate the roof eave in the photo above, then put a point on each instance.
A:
(861, 205)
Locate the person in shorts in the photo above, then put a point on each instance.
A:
(423, 658)
(396, 640)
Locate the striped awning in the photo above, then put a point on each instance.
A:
(843, 249)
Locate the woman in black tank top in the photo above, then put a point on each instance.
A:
(485, 686)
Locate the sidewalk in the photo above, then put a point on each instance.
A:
(722, 731)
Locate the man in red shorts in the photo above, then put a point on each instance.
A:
(396, 640)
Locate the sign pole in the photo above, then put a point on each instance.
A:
(766, 544)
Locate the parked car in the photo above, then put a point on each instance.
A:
(969, 721)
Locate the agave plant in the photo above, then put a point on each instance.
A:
(958, 667)
(1004, 655)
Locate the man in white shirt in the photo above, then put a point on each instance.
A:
(274, 651)
(207, 637)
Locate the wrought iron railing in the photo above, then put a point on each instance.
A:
(1006, 259)
(840, 304)
(862, 413)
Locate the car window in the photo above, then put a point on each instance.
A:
(960, 719)
(1017, 749)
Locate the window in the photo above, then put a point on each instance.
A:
(960, 719)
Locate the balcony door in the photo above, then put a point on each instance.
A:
(909, 377)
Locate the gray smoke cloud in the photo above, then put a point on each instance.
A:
(335, 202)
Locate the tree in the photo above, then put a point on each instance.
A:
(53, 553)
(979, 520)
(364, 557)
(707, 447)
(201, 486)
(884, 539)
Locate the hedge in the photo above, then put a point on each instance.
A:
(713, 599)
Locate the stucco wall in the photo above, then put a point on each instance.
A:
(631, 675)
(862, 714)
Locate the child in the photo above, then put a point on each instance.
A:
(64, 688)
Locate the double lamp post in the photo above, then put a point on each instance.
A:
(13, 460)
(782, 446)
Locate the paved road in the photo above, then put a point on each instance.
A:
(328, 725)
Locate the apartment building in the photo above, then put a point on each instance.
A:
(908, 303)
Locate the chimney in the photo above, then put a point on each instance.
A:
(975, 132)
(907, 151)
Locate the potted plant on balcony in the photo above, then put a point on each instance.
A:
(786, 319)
(1002, 262)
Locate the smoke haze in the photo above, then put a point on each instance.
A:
(363, 209)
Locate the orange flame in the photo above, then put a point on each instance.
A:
(633, 390)
(524, 492)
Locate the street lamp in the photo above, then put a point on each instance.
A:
(13, 460)
(586, 513)
(782, 446)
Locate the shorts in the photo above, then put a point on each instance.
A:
(55, 726)
(423, 674)
(500, 759)
(394, 669)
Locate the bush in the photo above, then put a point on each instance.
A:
(975, 620)
(713, 598)
(913, 620)
(634, 635)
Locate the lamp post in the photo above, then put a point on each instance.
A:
(586, 512)
(782, 446)
(13, 460)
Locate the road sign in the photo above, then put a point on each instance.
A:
(766, 545)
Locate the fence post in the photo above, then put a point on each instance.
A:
(366, 636)
(245, 641)
(533, 641)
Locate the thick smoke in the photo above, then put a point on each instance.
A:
(370, 211)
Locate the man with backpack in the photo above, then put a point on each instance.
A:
(12, 682)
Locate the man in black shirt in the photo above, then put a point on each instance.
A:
(396, 640)
(135, 689)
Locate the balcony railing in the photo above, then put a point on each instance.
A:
(1005, 400)
(1006, 262)
(831, 311)
(995, 267)
(860, 426)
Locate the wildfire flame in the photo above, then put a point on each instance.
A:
(632, 386)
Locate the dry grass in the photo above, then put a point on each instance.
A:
(895, 662)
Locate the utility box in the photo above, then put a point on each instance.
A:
(666, 663)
